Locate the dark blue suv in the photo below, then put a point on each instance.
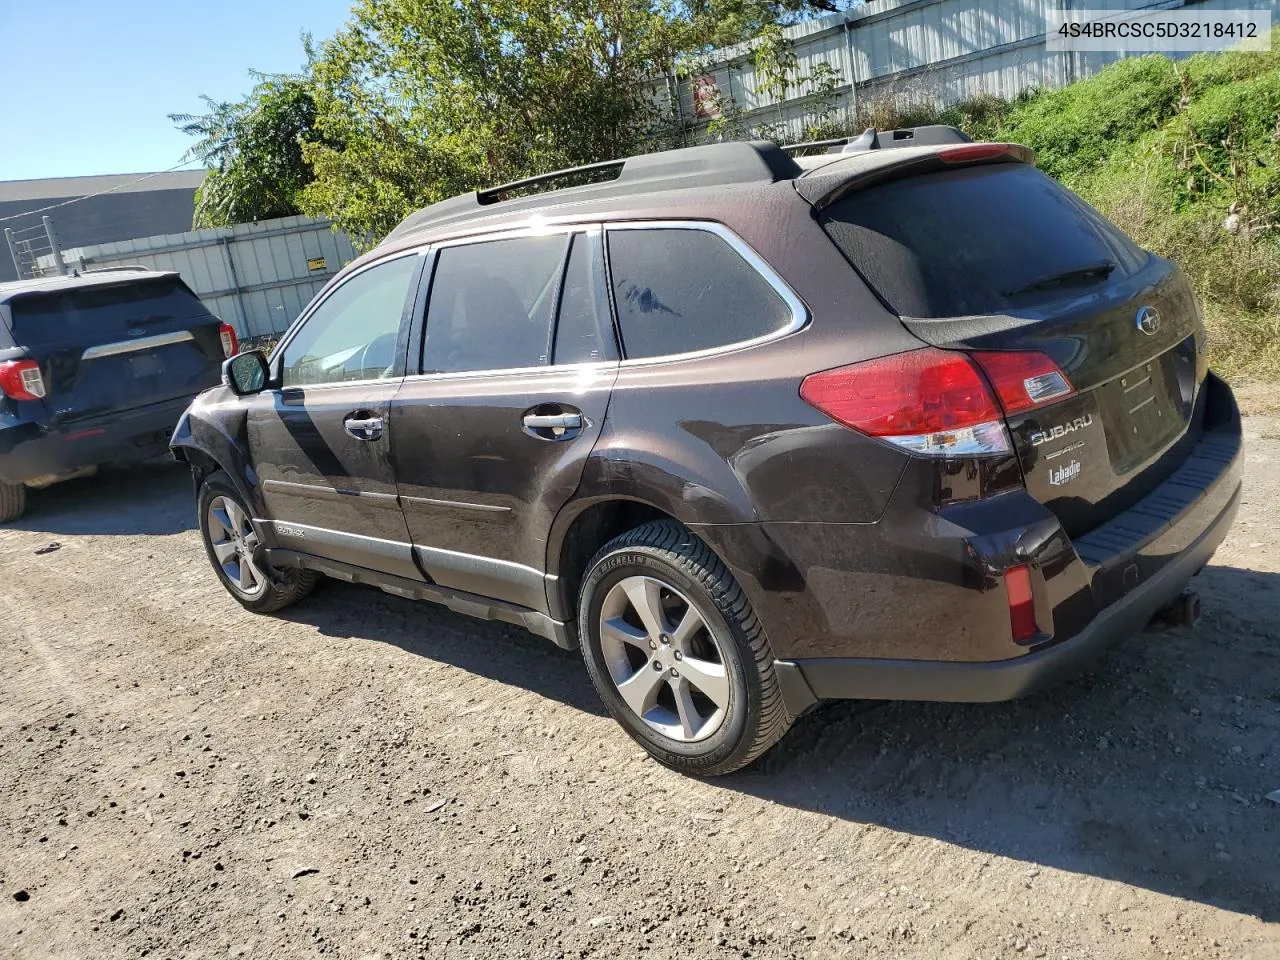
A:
(96, 369)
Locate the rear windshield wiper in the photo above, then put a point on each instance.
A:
(1100, 271)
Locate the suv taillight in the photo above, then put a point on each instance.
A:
(929, 401)
(227, 334)
(937, 402)
(21, 380)
(1025, 380)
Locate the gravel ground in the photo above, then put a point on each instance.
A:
(368, 777)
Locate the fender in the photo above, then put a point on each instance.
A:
(214, 428)
(737, 537)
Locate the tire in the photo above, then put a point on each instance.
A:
(262, 589)
(726, 709)
(13, 501)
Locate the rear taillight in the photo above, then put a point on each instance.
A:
(938, 402)
(928, 401)
(21, 380)
(1024, 381)
(1022, 607)
(227, 334)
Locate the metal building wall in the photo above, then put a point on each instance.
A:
(255, 276)
(935, 51)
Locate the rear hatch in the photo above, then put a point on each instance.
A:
(108, 348)
(999, 257)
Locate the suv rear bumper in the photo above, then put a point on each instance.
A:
(1089, 593)
(833, 678)
(35, 451)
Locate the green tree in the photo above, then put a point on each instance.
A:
(254, 149)
(418, 100)
(428, 98)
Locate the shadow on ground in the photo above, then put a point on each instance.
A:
(1127, 773)
(152, 498)
(497, 651)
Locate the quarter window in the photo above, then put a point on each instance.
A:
(678, 290)
(353, 334)
(491, 304)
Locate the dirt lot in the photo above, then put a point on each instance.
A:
(368, 777)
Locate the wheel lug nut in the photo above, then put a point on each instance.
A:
(652, 645)
(679, 655)
(664, 638)
(675, 672)
(657, 666)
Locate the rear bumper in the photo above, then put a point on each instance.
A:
(807, 681)
(922, 614)
(39, 450)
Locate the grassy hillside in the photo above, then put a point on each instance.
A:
(1185, 156)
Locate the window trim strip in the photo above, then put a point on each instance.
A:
(596, 230)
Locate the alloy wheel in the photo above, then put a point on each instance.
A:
(233, 540)
(664, 659)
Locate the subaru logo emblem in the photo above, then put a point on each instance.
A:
(1149, 320)
(136, 331)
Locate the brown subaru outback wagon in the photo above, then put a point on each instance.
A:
(903, 420)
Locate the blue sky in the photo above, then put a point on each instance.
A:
(87, 84)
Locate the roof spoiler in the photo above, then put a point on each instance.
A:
(933, 135)
(821, 189)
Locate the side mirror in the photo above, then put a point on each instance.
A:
(246, 373)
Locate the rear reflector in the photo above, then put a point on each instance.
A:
(1022, 608)
(86, 434)
(928, 401)
(21, 379)
(1024, 381)
(227, 334)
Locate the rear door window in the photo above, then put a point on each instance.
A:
(679, 290)
(491, 304)
(93, 315)
(977, 240)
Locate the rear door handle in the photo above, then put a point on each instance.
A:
(366, 428)
(551, 421)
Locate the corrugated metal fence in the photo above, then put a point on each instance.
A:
(910, 51)
(255, 276)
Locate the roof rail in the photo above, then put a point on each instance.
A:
(494, 194)
(706, 165)
(873, 139)
(129, 267)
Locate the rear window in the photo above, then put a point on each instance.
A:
(89, 313)
(974, 240)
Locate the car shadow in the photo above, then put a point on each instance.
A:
(1151, 769)
(498, 651)
(1125, 773)
(146, 499)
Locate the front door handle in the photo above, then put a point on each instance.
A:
(364, 428)
(552, 421)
